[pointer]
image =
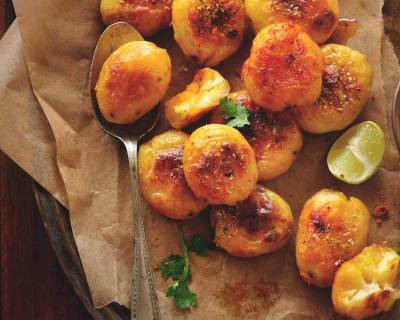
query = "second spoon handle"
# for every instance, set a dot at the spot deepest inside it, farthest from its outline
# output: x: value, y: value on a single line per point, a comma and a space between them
x: 144, y: 302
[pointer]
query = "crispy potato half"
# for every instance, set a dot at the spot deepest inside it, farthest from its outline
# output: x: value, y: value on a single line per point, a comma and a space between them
x: 148, y: 17
x: 132, y: 81
x: 276, y: 138
x: 318, y: 17
x: 260, y: 224
x: 284, y: 68
x: 162, y: 181
x: 332, y: 229
x: 220, y: 165
x: 344, y: 31
x: 346, y: 86
x: 208, y: 31
x: 363, y: 286
x: 200, y: 96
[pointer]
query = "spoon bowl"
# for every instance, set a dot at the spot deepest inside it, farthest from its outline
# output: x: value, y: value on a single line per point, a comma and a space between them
x: 144, y: 303
x: 110, y: 40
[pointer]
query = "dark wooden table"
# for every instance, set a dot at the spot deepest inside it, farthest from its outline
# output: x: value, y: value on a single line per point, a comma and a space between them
x: 33, y: 286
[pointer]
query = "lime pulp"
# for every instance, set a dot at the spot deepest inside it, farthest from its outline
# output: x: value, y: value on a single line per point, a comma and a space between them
x: 357, y: 154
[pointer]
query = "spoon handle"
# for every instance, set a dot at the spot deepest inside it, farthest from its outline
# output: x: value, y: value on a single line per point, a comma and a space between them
x: 396, y: 117
x: 144, y: 303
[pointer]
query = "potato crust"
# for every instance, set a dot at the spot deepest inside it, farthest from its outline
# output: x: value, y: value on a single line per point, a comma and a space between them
x: 161, y: 177
x: 276, y: 138
x: 258, y: 225
x: 132, y: 81
x: 363, y: 286
x: 344, y: 31
x: 219, y: 165
x: 208, y: 31
x: 200, y: 96
x: 284, y: 68
x: 332, y: 229
x: 318, y: 17
x: 147, y: 16
x: 347, y: 81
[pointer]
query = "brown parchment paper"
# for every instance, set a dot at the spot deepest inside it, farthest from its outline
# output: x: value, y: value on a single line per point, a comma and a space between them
x: 58, y: 39
x: 25, y: 134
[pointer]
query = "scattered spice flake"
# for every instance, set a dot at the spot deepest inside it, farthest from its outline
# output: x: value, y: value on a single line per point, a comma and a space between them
x: 380, y: 214
x: 248, y: 300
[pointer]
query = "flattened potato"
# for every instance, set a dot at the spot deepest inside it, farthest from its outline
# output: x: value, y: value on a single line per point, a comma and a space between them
x: 284, y: 68
x: 219, y: 165
x: 147, y: 16
x: 332, y: 229
x: 132, y: 81
x: 258, y: 225
x: 276, y: 138
x: 344, y: 31
x: 200, y: 96
x: 347, y: 81
x: 318, y: 17
x: 363, y: 286
x: 208, y: 31
x: 162, y: 181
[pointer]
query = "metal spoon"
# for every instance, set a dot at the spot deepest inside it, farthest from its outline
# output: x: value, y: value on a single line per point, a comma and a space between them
x: 396, y: 117
x: 144, y: 303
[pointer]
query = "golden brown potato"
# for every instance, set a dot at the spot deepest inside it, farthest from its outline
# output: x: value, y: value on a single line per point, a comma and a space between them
x: 347, y: 80
x: 344, y: 31
x: 363, y: 286
x: 162, y: 181
x: 284, y: 68
x: 132, y: 81
x: 219, y: 164
x: 148, y: 17
x: 317, y: 17
x: 332, y: 229
x: 208, y: 31
x: 200, y: 96
x: 276, y: 138
x: 258, y: 225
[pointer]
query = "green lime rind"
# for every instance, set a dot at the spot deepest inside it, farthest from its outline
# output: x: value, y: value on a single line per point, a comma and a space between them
x: 357, y: 154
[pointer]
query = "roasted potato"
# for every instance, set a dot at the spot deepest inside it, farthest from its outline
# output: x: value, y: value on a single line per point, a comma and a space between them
x: 344, y: 31
x: 347, y: 81
x: 132, y: 81
x: 148, y: 17
x: 363, y: 286
x: 276, y: 138
x: 220, y: 165
x: 284, y: 68
x: 161, y: 177
x: 200, y: 96
x: 332, y: 229
x: 318, y: 17
x: 208, y: 31
x: 260, y: 224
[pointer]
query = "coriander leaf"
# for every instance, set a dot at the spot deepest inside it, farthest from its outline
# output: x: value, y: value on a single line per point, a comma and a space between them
x: 179, y: 269
x: 198, y: 245
x: 236, y: 114
x: 181, y: 294
x: 172, y: 266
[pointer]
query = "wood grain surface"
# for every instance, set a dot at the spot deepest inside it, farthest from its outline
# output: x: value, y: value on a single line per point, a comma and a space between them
x: 33, y: 286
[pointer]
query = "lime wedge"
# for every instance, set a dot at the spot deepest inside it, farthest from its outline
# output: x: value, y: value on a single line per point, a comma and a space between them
x: 357, y: 154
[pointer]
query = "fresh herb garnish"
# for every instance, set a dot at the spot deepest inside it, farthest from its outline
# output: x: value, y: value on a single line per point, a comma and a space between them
x: 172, y: 266
x: 236, y: 114
x: 200, y: 246
x: 178, y: 268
